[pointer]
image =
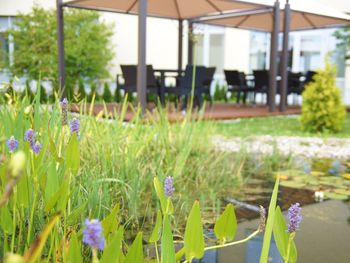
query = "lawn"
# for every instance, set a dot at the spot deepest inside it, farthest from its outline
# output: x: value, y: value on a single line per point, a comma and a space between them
x: 274, y: 126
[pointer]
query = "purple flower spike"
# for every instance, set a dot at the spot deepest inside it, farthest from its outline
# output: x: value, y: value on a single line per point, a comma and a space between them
x: 75, y: 126
x: 64, y: 111
x: 168, y: 186
x: 294, y: 217
x: 37, y: 147
x: 93, y: 234
x: 29, y: 136
x: 12, y: 144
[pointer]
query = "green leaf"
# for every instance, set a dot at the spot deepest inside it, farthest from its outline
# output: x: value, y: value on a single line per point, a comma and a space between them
x: 111, y: 222
x: 113, y: 251
x: 269, y: 225
x: 180, y: 254
x: 74, y: 254
x: 52, y: 146
x: 75, y: 216
x: 155, y: 236
x: 52, y: 183
x: 6, y: 219
x: 162, y: 198
x: 168, y: 250
x: 34, y: 252
x: 194, y: 241
x: 282, y: 237
x: 135, y: 252
x: 73, y: 154
x: 226, y: 225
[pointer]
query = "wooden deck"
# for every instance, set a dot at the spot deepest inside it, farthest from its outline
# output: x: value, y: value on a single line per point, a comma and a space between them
x: 218, y: 111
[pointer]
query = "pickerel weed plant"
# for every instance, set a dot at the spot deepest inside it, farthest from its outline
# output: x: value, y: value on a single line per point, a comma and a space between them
x: 44, y: 199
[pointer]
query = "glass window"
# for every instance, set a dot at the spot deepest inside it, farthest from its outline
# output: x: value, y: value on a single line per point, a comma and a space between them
x: 216, y: 52
x: 258, y: 50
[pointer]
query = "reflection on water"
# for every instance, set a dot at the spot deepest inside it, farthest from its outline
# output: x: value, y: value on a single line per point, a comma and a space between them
x: 324, y: 238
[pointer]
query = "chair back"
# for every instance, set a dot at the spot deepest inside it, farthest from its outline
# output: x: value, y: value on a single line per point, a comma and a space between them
x: 261, y: 79
x: 151, y: 79
x: 233, y: 78
x: 129, y: 75
x: 186, y: 82
x: 309, y: 76
x: 209, y: 76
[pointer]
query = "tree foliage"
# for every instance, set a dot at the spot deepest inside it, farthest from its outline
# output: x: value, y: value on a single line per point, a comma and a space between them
x: 323, y: 109
x: 343, y: 35
x: 88, y: 51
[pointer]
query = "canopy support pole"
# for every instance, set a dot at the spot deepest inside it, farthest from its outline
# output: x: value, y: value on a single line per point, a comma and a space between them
x: 273, y: 58
x: 285, y: 57
x: 179, y: 58
x: 190, y: 43
x: 141, y: 67
x: 60, y: 45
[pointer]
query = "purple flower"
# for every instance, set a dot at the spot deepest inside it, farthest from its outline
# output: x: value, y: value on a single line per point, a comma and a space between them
x: 93, y: 234
x: 64, y: 111
x: 75, y: 126
x: 294, y: 217
x: 12, y: 144
x: 168, y: 186
x: 29, y: 136
x: 37, y: 147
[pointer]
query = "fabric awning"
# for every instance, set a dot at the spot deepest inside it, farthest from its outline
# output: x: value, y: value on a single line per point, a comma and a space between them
x: 174, y: 9
x: 305, y: 15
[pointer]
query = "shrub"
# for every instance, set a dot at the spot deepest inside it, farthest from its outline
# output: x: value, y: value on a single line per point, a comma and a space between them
x: 107, y: 94
x: 323, y: 109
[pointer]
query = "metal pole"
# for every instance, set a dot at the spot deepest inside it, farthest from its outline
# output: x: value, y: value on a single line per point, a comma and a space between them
x: 273, y: 58
x: 284, y: 63
x: 141, y: 67
x: 190, y: 43
x: 60, y: 44
x: 179, y: 58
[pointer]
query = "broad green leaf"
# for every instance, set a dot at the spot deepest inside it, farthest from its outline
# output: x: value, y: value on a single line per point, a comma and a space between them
x: 226, y: 225
x: 282, y: 237
x: 73, y: 153
x: 52, y: 183
x: 50, y: 204
x: 162, y: 198
x: 52, y: 146
x: 23, y: 191
x: 34, y: 252
x: 74, y: 253
x: 194, y: 241
x: 113, y: 251
x: 180, y: 254
x: 6, y: 219
x: 76, y: 215
x: 168, y: 250
x: 135, y: 251
x: 111, y: 222
x: 155, y: 236
x: 269, y: 224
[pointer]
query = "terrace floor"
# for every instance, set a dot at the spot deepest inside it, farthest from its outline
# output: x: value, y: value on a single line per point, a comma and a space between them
x: 218, y: 111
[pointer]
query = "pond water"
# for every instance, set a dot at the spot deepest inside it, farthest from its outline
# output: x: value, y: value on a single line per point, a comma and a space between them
x: 324, y: 236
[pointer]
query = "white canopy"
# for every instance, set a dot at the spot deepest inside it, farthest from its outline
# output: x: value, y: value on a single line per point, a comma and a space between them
x: 306, y: 14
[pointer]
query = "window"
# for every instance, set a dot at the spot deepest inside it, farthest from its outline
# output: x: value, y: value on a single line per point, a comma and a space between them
x: 216, y: 54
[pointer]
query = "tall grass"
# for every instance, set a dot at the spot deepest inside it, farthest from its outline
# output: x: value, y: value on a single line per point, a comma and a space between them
x: 118, y: 163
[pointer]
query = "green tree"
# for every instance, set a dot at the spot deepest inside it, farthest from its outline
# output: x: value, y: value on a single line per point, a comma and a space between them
x: 343, y: 35
x: 323, y: 109
x: 88, y: 51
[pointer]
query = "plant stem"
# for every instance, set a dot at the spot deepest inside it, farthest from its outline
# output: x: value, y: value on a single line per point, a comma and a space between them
x: 156, y: 247
x: 234, y: 243
x: 291, y: 237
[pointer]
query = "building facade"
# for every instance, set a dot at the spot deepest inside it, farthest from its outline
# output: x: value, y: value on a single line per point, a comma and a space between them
x: 224, y: 48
